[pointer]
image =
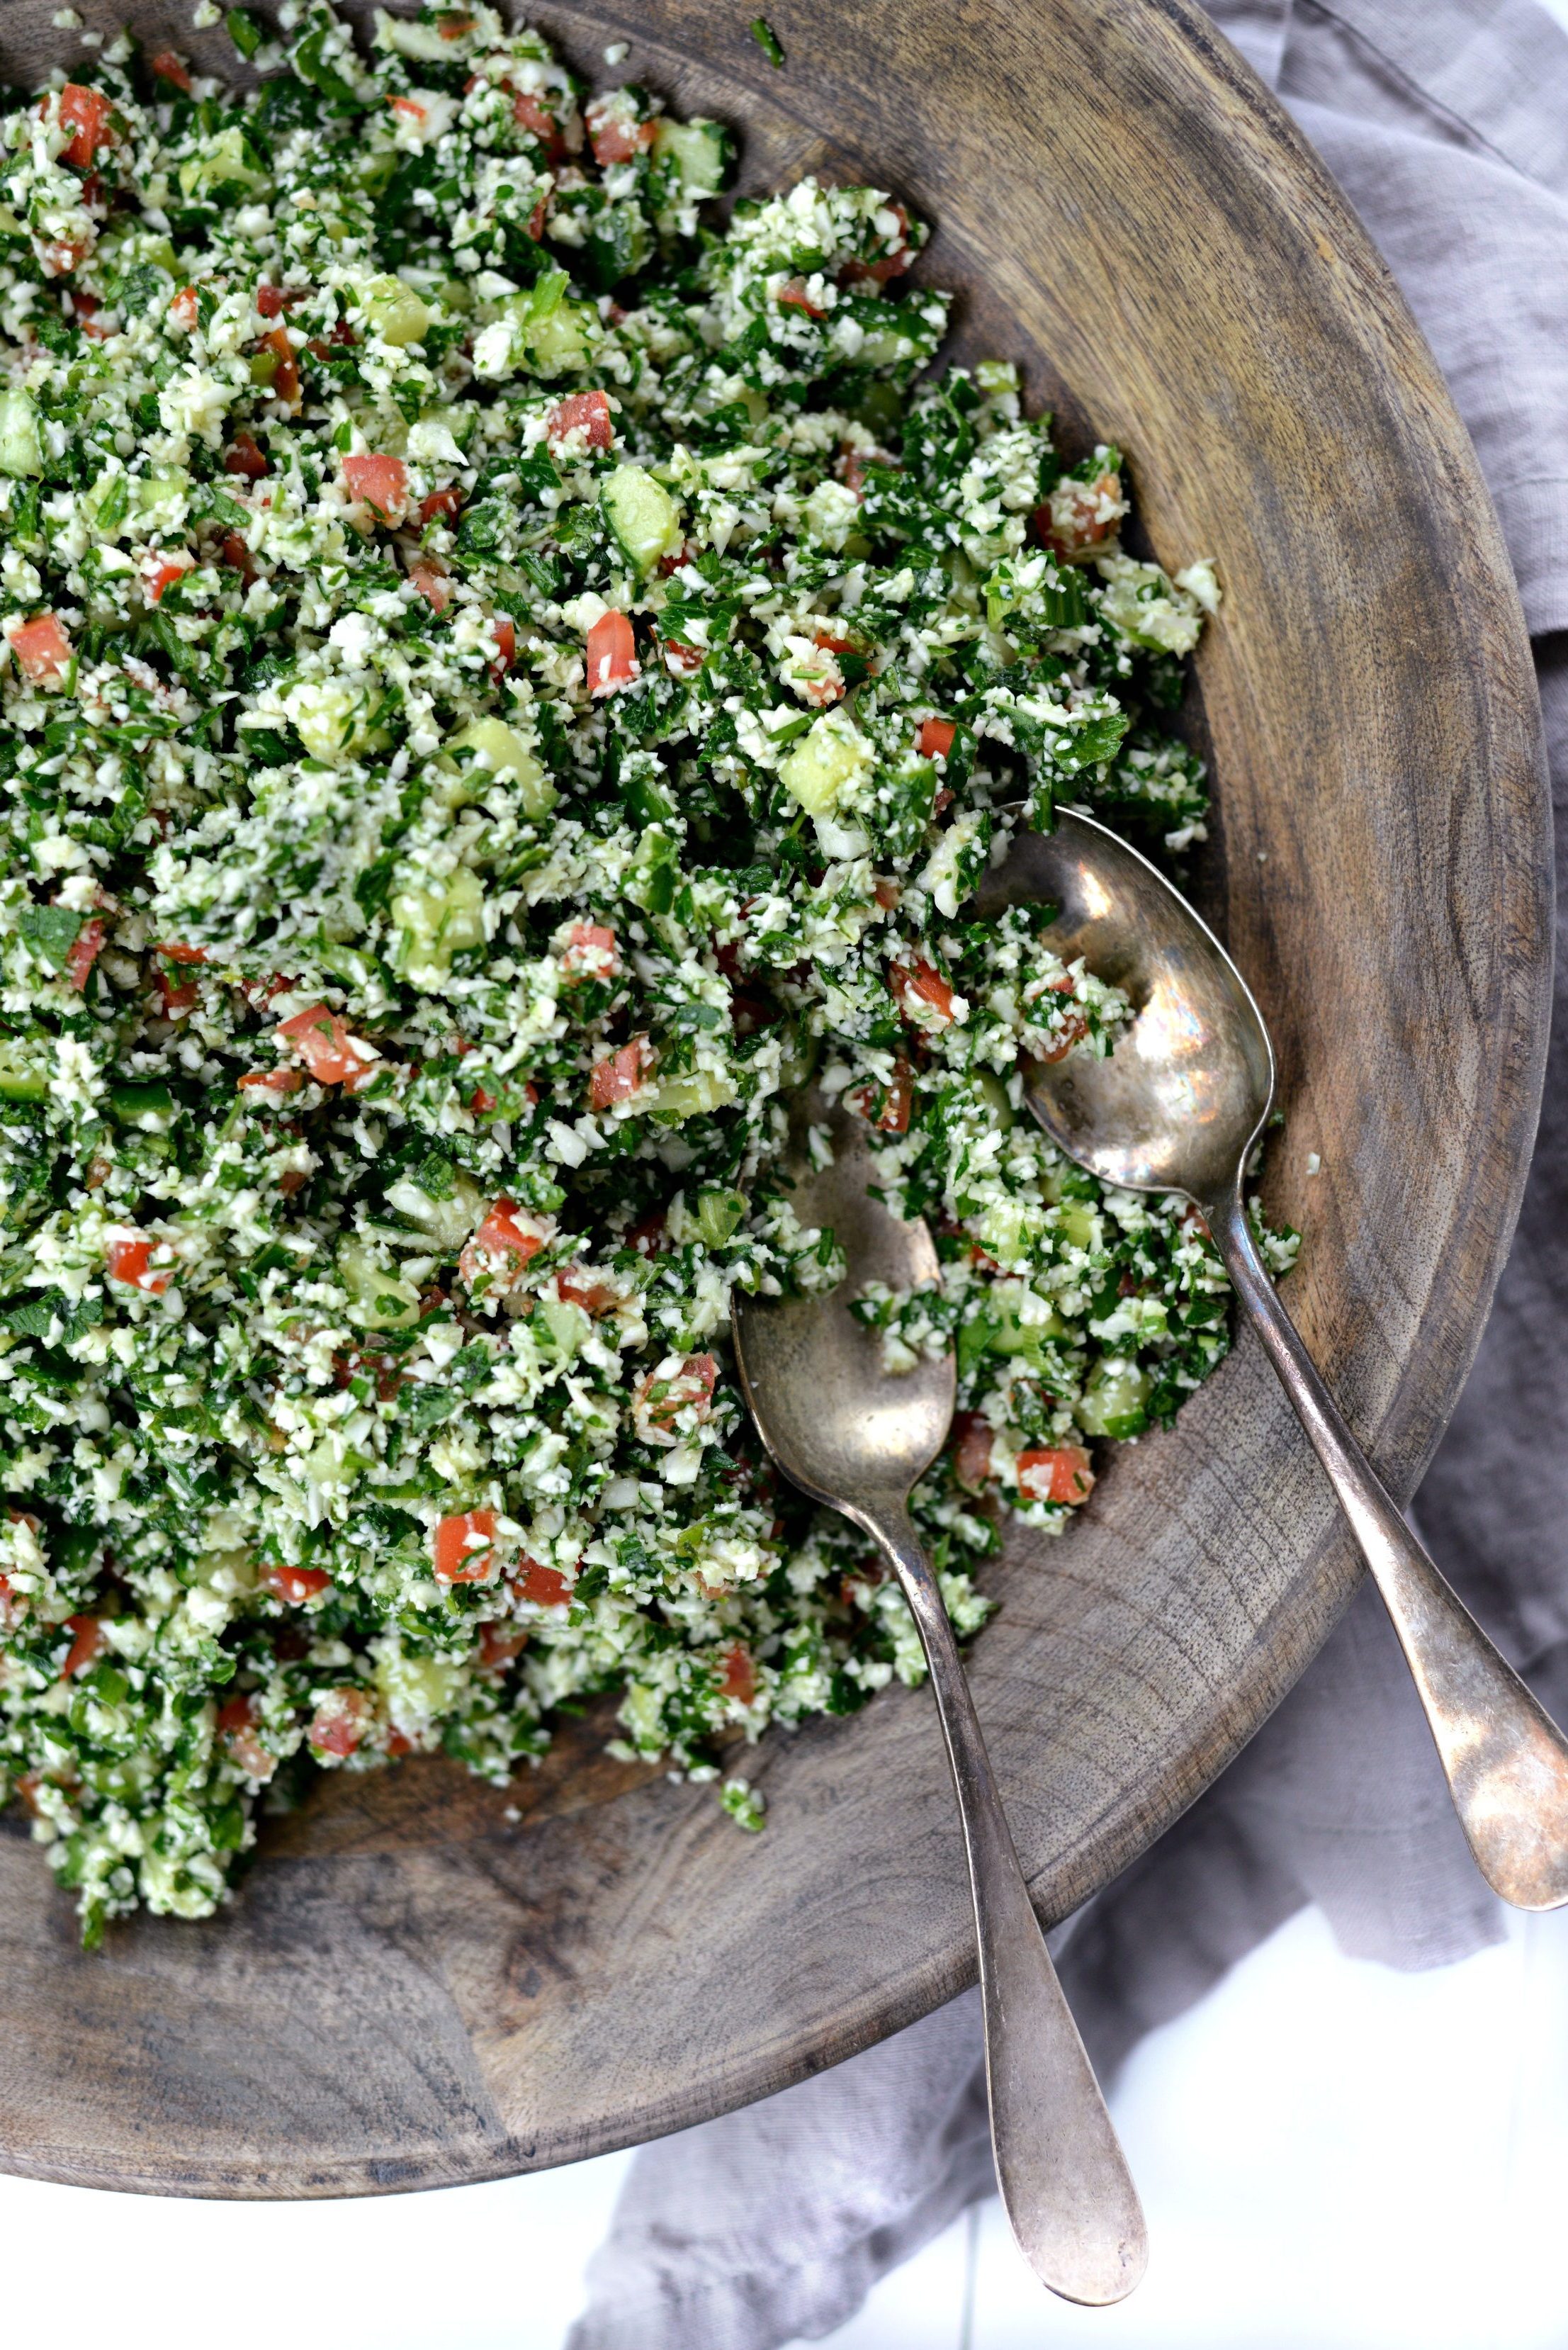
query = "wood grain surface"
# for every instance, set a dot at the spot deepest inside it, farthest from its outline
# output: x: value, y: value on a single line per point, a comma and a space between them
x: 413, y: 1989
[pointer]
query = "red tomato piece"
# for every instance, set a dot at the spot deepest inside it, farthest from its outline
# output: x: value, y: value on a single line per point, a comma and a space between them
x: 339, y: 1722
x: 464, y: 1547
x: 236, y: 554
x: 85, y: 113
x: 971, y: 1441
x: 234, y: 1726
x: 1072, y: 1031
x: 294, y: 1584
x: 86, y: 1643
x: 612, y: 653
x: 1058, y: 1472
x: 590, y: 951
x: 499, y: 1643
x: 647, y: 1237
x: 887, y: 264
x: 935, y: 739
x: 130, y: 1261
x: 793, y: 296
x: 681, y: 660
x: 1075, y: 519
x: 659, y: 1402
x: 43, y: 650
x: 740, y: 1676
x: 533, y: 115
x: 578, y: 1286
x: 544, y: 1587
x: 585, y: 411
x: 243, y: 457
x: 183, y: 309
x: 85, y: 948
x: 501, y: 1247
x: 505, y: 635
x: 324, y: 1044
x: 614, y: 136
x: 168, y: 68
x: 888, y: 1108
x: 432, y: 581
x: 619, y: 1076
x: 163, y: 575
x: 441, y: 504
x: 920, y: 982
x: 381, y: 482
x: 285, y: 385
x: 270, y: 1081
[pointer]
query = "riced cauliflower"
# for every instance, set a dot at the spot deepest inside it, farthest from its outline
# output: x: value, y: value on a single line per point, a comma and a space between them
x: 504, y: 677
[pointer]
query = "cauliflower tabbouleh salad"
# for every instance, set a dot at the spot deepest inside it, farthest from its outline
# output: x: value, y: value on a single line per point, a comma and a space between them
x: 502, y: 682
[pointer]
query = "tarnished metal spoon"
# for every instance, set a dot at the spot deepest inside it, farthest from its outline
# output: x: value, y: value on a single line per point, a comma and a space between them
x: 1178, y: 1106
x: 853, y: 1437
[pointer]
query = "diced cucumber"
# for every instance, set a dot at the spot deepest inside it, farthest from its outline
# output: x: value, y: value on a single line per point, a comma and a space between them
x: 21, y: 449
x: 719, y: 1214
x: 397, y: 313
x: 821, y: 767
x: 447, y: 1221
x: 223, y: 163
x: 642, y: 514
x: 437, y: 920
x: 703, y: 1091
x: 1113, y: 1401
x: 149, y: 1107
x: 18, y: 1082
x: 377, y: 1297
x: 699, y: 152
x: 500, y: 750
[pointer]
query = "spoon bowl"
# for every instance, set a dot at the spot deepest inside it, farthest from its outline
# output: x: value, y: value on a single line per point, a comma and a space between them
x: 1181, y: 1101
x: 1179, y: 1105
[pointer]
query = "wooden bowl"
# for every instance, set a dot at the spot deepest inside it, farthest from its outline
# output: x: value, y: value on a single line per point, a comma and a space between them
x: 410, y: 1988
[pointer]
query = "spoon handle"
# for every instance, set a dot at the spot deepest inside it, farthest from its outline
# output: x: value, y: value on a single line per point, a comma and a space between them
x: 1505, y: 1760
x: 1066, y: 2186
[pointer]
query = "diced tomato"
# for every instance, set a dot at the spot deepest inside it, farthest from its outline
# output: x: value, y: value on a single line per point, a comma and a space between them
x: 740, y: 1677
x: 578, y: 1286
x: 613, y: 137
x: 432, y: 581
x: 889, y: 264
x: 590, y: 952
x: 1194, y: 1223
x: 451, y: 27
x: 1057, y: 1473
x: 647, y: 1237
x: 1078, y: 516
x: 235, y: 555
x: 243, y: 458
x: 482, y: 1103
x: 681, y: 660
x: 935, y: 739
x: 168, y: 68
x: 409, y: 107
x: 499, y: 1643
x: 464, y: 1547
x: 1075, y: 1027
x: 502, y: 1246
x: 442, y: 505
x: 270, y: 1081
x: 85, y: 113
x: 888, y: 1108
x: 86, y: 1643
x: 612, y: 653
x: 85, y: 950
x: 534, y: 225
x: 585, y: 411
x: 324, y: 1044
x: 381, y: 482
x: 533, y: 115
x: 340, y: 1721
x: 542, y: 1586
x: 887, y: 895
x: 920, y: 984
x: 285, y: 385
x: 130, y: 1261
x: 43, y: 650
x: 659, y: 1402
x: 85, y: 309
x: 972, y: 1442
x: 793, y: 296
x: 273, y: 301
x: 506, y: 636
x: 619, y: 1076
x: 235, y: 1727
x: 184, y: 311
x: 161, y: 574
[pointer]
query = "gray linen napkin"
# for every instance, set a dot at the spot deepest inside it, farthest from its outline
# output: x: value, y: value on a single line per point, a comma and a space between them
x: 1446, y: 122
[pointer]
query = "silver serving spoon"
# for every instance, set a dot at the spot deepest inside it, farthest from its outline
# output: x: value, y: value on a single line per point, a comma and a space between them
x: 857, y: 1439
x: 1178, y: 1106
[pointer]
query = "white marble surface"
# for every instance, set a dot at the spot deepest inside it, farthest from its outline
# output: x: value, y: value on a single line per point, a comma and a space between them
x: 1334, y: 2157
